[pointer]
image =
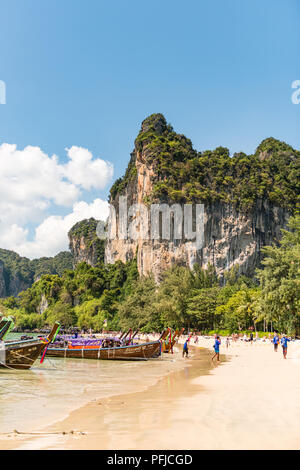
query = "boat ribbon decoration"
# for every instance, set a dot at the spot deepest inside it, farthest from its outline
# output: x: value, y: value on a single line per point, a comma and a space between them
x: 170, y: 339
x: 47, y: 341
x: 10, y: 327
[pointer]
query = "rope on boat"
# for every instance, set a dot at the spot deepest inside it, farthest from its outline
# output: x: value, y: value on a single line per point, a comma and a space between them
x: 25, y: 357
x: 18, y: 364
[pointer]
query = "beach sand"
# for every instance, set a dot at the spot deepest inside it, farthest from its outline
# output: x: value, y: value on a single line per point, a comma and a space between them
x: 249, y: 401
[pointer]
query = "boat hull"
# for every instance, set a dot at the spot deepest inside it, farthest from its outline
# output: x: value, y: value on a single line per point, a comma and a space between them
x: 20, y: 357
x: 23, y: 354
x: 138, y: 351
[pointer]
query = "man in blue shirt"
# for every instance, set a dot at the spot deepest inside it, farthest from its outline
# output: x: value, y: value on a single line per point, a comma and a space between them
x: 217, y: 349
x: 284, y: 341
x: 185, y: 350
x: 275, y: 341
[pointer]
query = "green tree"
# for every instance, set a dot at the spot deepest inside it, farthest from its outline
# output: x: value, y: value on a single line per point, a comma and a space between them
x: 173, y: 295
x: 239, y: 311
x: 202, y: 308
x: 139, y: 309
x: 62, y: 313
x: 280, y: 280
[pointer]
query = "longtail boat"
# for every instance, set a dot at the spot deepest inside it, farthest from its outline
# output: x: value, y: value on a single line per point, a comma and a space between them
x: 170, y: 340
x: 103, y: 351
x: 22, y: 354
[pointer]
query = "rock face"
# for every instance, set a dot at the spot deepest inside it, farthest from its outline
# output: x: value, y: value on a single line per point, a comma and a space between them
x: 16, y: 285
x: 231, y: 235
x: 229, y: 238
x: 84, y: 244
x: 11, y: 283
x: 43, y: 305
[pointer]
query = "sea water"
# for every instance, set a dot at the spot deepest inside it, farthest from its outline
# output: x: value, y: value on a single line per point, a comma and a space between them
x: 48, y: 392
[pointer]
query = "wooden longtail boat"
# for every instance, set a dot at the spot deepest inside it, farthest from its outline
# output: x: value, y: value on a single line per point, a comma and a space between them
x: 22, y: 354
x: 170, y: 341
x: 136, y: 351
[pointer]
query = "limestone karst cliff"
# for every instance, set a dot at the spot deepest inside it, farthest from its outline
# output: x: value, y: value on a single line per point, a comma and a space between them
x: 247, y: 199
x: 84, y: 243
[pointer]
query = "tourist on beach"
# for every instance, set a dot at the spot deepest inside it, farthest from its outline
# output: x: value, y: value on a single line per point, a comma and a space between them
x: 227, y: 342
x: 185, y: 350
x: 251, y: 338
x: 284, y: 341
x: 275, y: 341
x: 217, y: 349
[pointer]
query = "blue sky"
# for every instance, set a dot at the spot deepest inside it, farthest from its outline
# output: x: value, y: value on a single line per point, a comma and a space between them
x: 85, y: 74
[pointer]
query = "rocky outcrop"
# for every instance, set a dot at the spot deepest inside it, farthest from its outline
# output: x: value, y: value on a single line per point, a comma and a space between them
x: 84, y: 243
x: 231, y: 235
x: 16, y: 284
x: 43, y: 305
x: 230, y: 238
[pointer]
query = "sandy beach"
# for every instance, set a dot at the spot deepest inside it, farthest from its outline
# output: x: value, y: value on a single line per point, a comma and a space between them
x: 249, y: 401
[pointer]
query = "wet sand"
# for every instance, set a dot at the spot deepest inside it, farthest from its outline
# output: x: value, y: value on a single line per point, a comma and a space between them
x: 107, y: 423
x: 250, y: 401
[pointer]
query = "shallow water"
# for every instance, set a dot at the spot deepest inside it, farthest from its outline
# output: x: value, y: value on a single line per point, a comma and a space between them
x: 47, y: 393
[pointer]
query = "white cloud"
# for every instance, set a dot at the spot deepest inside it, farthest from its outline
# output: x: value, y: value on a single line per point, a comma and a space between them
x: 12, y: 236
x: 51, y: 235
x: 33, y: 184
x: 31, y: 176
x: 84, y: 171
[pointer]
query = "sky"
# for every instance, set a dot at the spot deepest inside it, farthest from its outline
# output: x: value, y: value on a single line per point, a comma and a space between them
x: 80, y: 76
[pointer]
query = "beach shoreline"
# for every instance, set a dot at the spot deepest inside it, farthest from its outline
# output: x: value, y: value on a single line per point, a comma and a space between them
x: 55, y: 433
x: 240, y: 404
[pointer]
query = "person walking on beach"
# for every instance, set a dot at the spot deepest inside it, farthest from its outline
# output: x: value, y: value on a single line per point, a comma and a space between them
x: 251, y: 338
x: 217, y: 349
x: 284, y: 341
x: 275, y: 341
x: 185, y: 350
